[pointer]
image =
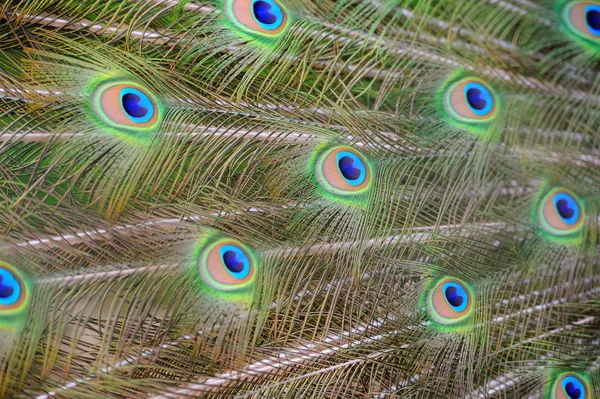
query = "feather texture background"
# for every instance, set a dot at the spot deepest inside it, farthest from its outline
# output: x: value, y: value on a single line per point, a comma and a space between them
x: 300, y: 199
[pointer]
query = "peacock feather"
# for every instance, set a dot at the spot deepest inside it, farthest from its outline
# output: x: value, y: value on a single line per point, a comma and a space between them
x: 300, y: 199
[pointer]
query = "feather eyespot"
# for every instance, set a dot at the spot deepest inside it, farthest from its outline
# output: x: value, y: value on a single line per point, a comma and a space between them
x: 450, y: 301
x: 14, y: 292
x: 263, y: 17
x: 470, y: 100
x: 560, y: 212
x: 226, y: 265
x: 126, y: 106
x: 583, y: 19
x: 343, y: 170
x: 570, y: 386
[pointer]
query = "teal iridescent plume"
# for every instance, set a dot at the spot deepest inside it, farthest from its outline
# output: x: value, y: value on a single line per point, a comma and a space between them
x: 333, y: 199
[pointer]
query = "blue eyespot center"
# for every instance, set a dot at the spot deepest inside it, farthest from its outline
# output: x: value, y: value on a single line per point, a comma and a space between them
x: 475, y: 99
x: 10, y: 289
x: 563, y: 209
x: 567, y: 208
x: 232, y: 262
x: 592, y: 18
x: 136, y: 105
x: 478, y: 98
x: 347, y: 168
x: 351, y: 167
x: 131, y: 104
x: 456, y: 296
x: 262, y: 12
x: 453, y: 297
x: 235, y: 261
x: 572, y: 391
x: 267, y: 13
x: 573, y: 388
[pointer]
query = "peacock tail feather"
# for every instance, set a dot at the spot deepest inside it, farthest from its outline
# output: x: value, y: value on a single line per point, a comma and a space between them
x: 300, y: 199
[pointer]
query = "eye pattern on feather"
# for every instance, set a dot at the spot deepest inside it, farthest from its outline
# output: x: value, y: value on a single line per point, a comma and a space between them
x: 570, y: 386
x: 560, y: 212
x: 343, y: 171
x: 449, y: 301
x: 262, y: 17
x: 14, y: 292
x: 470, y: 100
x: 226, y: 265
x: 126, y: 106
x: 583, y: 19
